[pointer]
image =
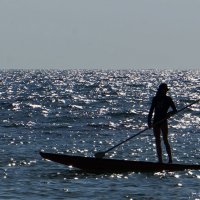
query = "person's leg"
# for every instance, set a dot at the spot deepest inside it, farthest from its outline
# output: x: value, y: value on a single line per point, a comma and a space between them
x: 164, y: 129
x: 157, y: 133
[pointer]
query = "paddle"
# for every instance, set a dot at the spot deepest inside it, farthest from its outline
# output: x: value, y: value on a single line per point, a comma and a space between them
x: 102, y: 154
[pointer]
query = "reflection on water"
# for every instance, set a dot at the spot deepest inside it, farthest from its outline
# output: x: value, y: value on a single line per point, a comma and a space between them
x: 82, y: 112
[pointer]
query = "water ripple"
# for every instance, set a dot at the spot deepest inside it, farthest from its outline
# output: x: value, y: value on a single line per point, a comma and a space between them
x: 80, y: 112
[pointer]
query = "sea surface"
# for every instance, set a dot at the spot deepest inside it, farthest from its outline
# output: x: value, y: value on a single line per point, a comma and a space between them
x: 81, y: 112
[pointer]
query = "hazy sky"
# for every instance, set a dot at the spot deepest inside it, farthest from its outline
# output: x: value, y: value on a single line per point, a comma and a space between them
x: 100, y: 34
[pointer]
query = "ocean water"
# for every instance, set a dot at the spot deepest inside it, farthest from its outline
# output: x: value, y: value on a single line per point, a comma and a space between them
x: 80, y: 112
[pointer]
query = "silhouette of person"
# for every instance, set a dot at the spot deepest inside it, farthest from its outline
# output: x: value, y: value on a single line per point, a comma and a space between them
x: 160, y: 105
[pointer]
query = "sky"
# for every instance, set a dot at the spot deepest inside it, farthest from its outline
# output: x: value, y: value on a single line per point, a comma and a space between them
x: 99, y: 34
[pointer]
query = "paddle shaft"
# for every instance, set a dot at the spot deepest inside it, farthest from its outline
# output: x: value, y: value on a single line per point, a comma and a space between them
x: 146, y: 129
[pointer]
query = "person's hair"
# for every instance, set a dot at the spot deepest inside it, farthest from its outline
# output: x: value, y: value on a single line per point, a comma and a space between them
x: 162, y: 89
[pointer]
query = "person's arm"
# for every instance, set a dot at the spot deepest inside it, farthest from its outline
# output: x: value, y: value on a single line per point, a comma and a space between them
x: 150, y: 114
x: 173, y: 107
x: 174, y: 110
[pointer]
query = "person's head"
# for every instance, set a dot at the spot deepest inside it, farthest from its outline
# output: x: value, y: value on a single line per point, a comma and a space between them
x: 163, y: 88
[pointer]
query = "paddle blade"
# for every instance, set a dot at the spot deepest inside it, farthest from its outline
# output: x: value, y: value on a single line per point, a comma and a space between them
x: 99, y: 155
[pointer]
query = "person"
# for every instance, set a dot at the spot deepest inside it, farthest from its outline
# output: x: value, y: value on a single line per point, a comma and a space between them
x: 160, y: 106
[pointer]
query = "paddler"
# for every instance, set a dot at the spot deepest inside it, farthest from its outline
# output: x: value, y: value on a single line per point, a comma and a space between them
x: 160, y: 106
